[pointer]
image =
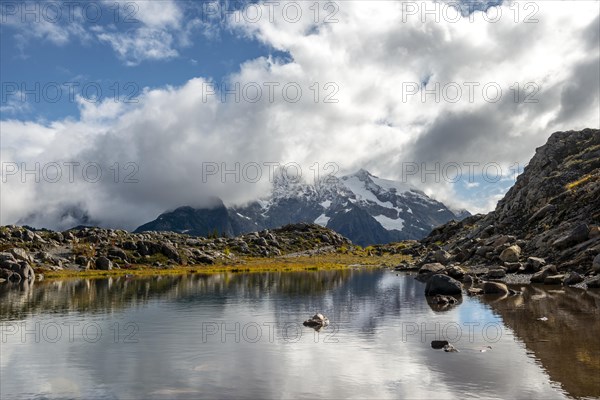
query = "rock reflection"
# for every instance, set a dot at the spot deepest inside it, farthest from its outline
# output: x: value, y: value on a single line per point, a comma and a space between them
x: 560, y: 327
x: 114, y: 293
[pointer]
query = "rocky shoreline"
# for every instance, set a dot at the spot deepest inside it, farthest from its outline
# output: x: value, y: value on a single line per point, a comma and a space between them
x: 545, y: 230
x: 25, y: 252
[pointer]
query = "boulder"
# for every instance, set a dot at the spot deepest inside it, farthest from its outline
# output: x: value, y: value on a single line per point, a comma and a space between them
x: 317, y: 321
x: 104, y: 264
x: 579, y: 234
x: 455, y: 272
x: 442, y: 256
x: 439, y: 344
x: 25, y: 271
x: 572, y: 278
x: 431, y: 268
x: 10, y: 275
x: 497, y: 273
x: 554, y: 279
x: 170, y: 252
x: 512, y: 268
x: 541, y: 276
x: 511, y: 254
x: 536, y: 263
x: 442, y: 284
x: 6, y: 260
x: 115, y: 252
x: 21, y: 254
x: 594, y: 283
x: 495, y: 288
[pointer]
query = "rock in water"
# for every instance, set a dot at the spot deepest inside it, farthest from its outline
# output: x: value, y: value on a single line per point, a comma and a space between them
x: 572, y: 278
x: 317, y: 321
x: 450, y: 349
x: 554, y: 280
x: 442, y: 284
x: 439, y: 344
x: 495, y: 288
x: 540, y: 276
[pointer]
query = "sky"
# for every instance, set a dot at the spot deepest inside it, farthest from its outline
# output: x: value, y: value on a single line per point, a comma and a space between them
x: 121, y: 110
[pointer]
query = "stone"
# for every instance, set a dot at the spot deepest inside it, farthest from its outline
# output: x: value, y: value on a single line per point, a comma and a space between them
x: 495, y: 288
x: 9, y: 275
x: 450, y: 349
x: 594, y: 283
x: 579, y: 234
x: 497, y: 273
x: 442, y: 284
x: 439, y: 344
x: 511, y: 254
x: 474, y: 291
x: 431, y: 268
x: 512, y: 268
x: 442, y: 256
x: 596, y: 263
x: 170, y: 252
x: 541, y: 275
x: 554, y: 279
x: 104, y: 264
x: 572, y: 278
x: 25, y: 271
x: 21, y: 254
x: 115, y: 252
x: 317, y: 321
x: 536, y: 263
x: 455, y: 272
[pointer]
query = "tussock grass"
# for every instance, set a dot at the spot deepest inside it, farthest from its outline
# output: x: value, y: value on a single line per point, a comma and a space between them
x: 331, y: 261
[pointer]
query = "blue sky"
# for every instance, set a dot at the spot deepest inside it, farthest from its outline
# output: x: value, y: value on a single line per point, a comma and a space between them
x: 361, y: 54
x: 87, y: 66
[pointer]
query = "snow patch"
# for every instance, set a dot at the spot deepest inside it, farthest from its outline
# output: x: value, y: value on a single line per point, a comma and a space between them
x: 389, y: 223
x: 322, y: 220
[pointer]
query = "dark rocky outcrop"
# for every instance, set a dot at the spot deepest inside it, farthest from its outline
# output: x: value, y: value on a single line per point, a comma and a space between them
x: 550, y: 216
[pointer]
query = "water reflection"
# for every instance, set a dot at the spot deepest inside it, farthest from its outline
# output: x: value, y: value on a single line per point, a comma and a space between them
x: 241, y: 335
x: 567, y: 343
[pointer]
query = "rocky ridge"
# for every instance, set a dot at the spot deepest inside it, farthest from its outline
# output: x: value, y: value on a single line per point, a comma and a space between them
x: 24, y: 251
x: 546, y: 228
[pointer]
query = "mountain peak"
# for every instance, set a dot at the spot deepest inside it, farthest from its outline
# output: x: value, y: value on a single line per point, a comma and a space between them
x: 363, y: 175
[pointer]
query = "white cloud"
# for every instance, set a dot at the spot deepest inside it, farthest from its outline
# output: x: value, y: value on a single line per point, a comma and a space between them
x: 369, y: 54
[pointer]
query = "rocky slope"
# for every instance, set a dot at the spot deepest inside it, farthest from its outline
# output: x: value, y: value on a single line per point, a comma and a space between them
x: 23, y: 250
x: 547, y: 224
x: 362, y: 207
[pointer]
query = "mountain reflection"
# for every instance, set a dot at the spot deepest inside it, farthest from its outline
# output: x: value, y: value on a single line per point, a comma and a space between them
x: 567, y: 343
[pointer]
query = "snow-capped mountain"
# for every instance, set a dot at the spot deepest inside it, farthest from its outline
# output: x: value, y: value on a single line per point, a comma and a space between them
x: 360, y: 206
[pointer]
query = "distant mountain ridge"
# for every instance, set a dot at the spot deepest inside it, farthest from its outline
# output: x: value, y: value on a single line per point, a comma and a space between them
x: 364, y: 208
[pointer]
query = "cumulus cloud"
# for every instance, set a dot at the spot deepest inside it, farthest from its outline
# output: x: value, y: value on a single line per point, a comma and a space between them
x: 370, y: 65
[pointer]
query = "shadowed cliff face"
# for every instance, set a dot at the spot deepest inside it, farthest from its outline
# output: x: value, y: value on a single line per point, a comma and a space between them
x: 567, y: 344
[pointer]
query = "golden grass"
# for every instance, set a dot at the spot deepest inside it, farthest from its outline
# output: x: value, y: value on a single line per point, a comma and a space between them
x: 581, y: 181
x: 252, y: 264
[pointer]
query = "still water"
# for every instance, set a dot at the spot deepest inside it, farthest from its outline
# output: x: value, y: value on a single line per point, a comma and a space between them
x: 235, y: 335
